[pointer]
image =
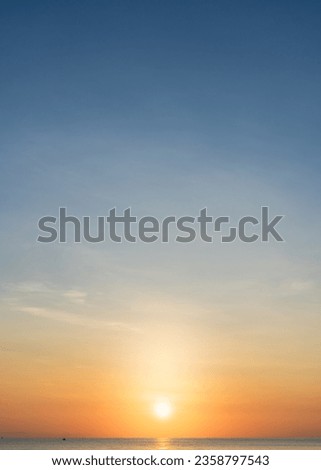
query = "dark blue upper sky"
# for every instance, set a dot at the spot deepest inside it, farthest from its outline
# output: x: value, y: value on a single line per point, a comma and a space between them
x: 162, y: 65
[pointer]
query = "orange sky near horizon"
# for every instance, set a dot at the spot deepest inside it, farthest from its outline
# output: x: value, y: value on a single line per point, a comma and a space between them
x: 100, y: 383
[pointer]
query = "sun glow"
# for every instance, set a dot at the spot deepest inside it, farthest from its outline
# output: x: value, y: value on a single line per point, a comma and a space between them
x: 163, y: 409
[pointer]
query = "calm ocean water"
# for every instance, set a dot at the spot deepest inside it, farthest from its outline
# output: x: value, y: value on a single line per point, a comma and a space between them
x: 158, y: 444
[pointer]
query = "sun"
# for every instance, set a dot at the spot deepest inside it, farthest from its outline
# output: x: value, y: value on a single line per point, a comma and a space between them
x: 163, y: 409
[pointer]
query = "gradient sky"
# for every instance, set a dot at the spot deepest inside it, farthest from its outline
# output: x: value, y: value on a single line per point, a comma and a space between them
x: 167, y: 107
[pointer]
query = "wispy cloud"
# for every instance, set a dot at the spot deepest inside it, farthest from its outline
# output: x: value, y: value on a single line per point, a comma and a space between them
x: 76, y: 319
x: 301, y: 286
x: 75, y: 296
x: 28, y: 287
x: 39, y: 290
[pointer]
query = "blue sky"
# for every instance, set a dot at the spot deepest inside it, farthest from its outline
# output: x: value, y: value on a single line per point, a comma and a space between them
x: 160, y: 107
x: 217, y: 85
x: 167, y: 107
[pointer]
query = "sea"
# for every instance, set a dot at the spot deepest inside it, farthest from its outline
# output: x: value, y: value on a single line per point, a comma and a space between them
x: 159, y: 444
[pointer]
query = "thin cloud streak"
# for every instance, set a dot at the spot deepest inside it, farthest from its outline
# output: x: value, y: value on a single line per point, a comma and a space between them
x: 74, y: 319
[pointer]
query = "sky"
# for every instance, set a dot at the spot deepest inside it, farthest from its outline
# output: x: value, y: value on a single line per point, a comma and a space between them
x: 166, y: 107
